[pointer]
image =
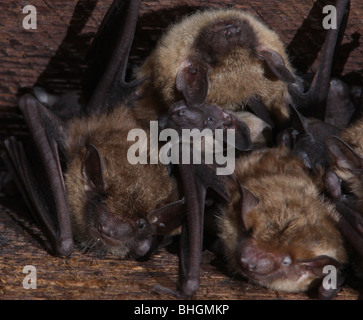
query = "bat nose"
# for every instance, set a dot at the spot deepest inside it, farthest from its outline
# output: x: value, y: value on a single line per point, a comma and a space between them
x: 114, y: 228
x: 258, y: 265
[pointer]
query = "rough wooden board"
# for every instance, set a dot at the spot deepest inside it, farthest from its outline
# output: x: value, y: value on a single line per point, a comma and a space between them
x: 87, y: 276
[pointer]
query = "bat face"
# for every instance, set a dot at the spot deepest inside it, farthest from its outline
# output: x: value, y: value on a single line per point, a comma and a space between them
x: 215, y: 52
x: 222, y: 36
x: 279, y: 232
x: 110, y: 198
x: 180, y: 116
x: 205, y: 116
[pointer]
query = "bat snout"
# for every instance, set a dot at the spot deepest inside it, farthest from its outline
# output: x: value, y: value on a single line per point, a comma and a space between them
x: 258, y: 265
x: 113, y: 228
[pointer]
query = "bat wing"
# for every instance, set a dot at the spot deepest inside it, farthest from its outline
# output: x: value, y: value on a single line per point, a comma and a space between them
x: 260, y: 110
x: 313, y: 101
x: 350, y: 222
x: 37, y: 172
x: 351, y: 217
x: 109, y: 56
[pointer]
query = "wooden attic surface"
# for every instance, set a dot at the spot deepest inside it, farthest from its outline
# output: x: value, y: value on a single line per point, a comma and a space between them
x: 52, y: 57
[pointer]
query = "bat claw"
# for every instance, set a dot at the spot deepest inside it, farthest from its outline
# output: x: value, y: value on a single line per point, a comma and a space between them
x: 175, y: 293
x: 65, y: 246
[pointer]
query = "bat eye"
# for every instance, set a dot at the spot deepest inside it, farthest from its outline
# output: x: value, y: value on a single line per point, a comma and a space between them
x: 210, y: 119
x: 141, y: 223
x: 193, y: 70
x: 286, y: 261
x: 227, y: 33
x: 181, y: 113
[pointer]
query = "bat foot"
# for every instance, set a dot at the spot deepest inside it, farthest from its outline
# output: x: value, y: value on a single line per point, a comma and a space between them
x: 65, y: 247
x: 189, y: 287
x: 163, y: 290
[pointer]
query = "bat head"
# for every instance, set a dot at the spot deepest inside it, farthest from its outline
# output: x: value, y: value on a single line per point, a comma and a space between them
x: 306, y: 139
x: 205, y: 116
x: 279, y: 249
x: 222, y: 36
x: 108, y: 223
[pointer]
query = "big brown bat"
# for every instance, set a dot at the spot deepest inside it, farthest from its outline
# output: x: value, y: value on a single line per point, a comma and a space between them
x: 278, y: 230
x: 222, y: 56
x: 107, y: 197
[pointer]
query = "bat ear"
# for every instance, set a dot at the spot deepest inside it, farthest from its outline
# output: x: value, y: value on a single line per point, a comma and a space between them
x: 317, y: 264
x: 343, y: 154
x: 168, y: 218
x: 298, y: 121
x: 247, y: 203
x: 276, y: 63
x: 92, y: 170
x: 332, y: 184
x: 192, y: 81
x: 242, y: 134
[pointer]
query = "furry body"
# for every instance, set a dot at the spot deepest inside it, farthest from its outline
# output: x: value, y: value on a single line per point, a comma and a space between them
x: 234, y: 78
x: 291, y: 222
x: 130, y: 193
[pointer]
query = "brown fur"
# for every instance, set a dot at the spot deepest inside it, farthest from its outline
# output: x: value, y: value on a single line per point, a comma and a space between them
x: 291, y: 217
x: 260, y: 131
x: 131, y: 191
x: 236, y: 78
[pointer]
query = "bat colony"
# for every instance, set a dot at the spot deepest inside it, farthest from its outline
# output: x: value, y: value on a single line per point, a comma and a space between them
x: 294, y: 203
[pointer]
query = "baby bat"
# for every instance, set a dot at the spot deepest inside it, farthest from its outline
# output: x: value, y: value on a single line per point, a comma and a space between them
x: 107, y: 199
x: 221, y: 56
x: 278, y: 231
x: 196, y: 179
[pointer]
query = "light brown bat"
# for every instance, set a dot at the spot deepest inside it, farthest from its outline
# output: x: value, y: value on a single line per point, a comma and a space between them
x: 111, y: 210
x: 278, y: 231
x: 221, y: 56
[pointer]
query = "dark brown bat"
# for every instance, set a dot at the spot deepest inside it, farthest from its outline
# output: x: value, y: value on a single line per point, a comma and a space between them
x: 221, y: 56
x: 314, y: 101
x: 327, y: 105
x: 278, y: 230
x: 347, y: 169
x: 196, y: 179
